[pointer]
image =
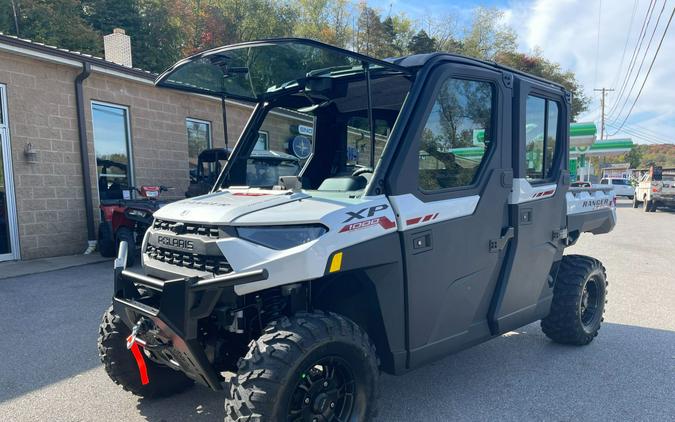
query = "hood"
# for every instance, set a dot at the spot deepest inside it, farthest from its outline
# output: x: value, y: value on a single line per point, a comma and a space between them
x: 225, y: 207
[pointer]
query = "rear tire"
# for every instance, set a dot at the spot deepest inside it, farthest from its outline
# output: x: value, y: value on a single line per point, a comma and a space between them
x: 647, y: 205
x: 127, y: 235
x: 579, y: 298
x: 121, y: 366
x: 106, y: 243
x: 313, y: 366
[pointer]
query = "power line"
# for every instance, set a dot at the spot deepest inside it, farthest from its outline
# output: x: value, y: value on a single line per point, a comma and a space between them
x: 597, y: 43
x: 644, y: 136
x: 651, y: 65
x: 625, y: 47
x: 634, y: 55
x: 646, y: 130
x: 642, y: 62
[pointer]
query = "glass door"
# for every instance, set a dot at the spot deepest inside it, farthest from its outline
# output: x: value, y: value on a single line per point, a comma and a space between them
x: 8, y: 227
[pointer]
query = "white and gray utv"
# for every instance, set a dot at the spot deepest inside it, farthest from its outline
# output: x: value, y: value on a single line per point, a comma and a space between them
x: 430, y: 214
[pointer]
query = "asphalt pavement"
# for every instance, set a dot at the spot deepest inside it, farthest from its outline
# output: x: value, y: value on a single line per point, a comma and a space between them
x: 49, y: 367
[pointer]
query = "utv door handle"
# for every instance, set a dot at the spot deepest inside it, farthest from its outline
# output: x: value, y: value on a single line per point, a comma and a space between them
x: 497, y: 245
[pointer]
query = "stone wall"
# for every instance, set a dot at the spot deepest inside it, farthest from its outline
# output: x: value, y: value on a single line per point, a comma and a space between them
x: 42, y: 112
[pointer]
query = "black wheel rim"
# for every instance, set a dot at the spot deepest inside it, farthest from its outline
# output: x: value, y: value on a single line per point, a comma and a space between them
x: 325, y: 392
x: 590, y: 302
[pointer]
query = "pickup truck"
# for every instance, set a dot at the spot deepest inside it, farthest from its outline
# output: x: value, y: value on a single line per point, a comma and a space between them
x: 655, y: 190
x: 441, y: 228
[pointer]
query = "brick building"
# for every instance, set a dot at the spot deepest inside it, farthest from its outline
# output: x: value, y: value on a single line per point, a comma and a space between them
x: 56, y: 104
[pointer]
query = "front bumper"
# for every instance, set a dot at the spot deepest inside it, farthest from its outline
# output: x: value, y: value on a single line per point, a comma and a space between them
x: 182, y: 303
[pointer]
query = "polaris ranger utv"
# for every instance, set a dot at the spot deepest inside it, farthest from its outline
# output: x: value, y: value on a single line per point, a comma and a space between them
x: 442, y: 228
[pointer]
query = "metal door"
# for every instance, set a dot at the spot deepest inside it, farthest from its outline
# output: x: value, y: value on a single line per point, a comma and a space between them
x: 9, y: 241
x: 453, y: 237
x: 537, y: 207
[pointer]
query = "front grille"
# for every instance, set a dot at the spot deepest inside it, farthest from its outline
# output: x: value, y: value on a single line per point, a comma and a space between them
x: 206, y: 230
x: 210, y: 263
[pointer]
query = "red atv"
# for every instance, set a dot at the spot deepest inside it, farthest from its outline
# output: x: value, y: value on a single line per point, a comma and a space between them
x: 128, y: 219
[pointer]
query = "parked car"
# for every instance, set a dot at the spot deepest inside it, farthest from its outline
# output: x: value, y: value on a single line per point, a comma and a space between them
x: 655, y: 190
x: 409, y: 249
x: 622, y: 187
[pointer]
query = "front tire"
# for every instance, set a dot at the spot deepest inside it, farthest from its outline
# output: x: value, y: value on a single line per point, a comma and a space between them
x: 313, y: 366
x: 579, y: 298
x: 106, y: 243
x: 122, y: 368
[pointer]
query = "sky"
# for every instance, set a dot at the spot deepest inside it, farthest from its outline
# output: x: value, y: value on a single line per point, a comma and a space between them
x: 590, y: 37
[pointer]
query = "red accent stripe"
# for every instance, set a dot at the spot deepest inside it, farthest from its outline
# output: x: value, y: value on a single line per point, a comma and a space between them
x: 427, y: 217
x: 412, y: 221
x: 142, y: 369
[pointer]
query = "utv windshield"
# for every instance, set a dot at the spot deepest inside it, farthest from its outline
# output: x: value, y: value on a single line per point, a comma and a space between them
x: 326, y: 127
x: 257, y: 70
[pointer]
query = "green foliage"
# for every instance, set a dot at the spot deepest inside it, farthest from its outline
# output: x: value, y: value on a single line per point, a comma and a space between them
x: 486, y: 38
x: 162, y: 31
x: 634, y: 157
x: 56, y: 22
x: 421, y: 43
x: 661, y: 155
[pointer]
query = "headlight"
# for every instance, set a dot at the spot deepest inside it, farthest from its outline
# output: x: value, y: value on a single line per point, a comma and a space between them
x: 281, y: 237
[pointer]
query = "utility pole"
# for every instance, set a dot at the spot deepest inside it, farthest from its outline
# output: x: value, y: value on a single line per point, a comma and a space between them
x: 602, y: 106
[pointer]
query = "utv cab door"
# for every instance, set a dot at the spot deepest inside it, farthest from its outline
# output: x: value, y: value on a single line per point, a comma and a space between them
x: 451, y: 185
x: 537, y: 206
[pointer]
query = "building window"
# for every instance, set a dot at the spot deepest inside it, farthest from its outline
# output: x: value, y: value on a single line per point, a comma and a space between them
x: 263, y: 142
x: 541, y: 133
x: 199, y: 139
x: 112, y: 146
x: 457, y: 135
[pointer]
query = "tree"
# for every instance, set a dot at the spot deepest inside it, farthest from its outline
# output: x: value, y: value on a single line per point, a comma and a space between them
x: 54, y: 22
x: 634, y: 157
x: 536, y: 64
x: 323, y: 20
x: 485, y: 37
x: 421, y: 43
x: 370, y: 32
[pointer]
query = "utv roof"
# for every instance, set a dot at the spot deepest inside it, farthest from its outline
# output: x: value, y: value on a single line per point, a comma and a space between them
x: 258, y: 70
x: 416, y: 61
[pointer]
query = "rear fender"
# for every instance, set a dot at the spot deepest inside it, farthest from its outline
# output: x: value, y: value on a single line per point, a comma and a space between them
x: 119, y: 219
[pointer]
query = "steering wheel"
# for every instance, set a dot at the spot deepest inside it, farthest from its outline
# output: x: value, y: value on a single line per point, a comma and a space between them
x: 361, y: 170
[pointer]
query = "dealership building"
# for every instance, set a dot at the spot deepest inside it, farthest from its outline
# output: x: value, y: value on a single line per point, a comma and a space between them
x: 65, y: 115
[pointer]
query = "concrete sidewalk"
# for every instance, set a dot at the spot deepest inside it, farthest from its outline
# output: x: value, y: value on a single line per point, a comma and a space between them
x: 12, y: 269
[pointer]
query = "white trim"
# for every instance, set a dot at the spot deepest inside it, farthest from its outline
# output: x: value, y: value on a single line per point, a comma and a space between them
x: 130, y: 152
x: 39, y: 55
x: 111, y: 72
x: 6, y: 147
x: 411, y: 213
x: 522, y: 191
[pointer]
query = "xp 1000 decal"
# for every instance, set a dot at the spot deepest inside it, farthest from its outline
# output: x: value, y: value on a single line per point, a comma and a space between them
x: 364, y: 218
